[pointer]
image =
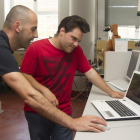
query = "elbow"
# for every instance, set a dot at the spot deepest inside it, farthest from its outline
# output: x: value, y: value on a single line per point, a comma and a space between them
x: 35, y: 100
x: 30, y: 98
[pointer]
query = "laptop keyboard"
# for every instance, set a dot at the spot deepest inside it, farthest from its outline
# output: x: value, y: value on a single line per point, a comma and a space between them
x: 120, y: 108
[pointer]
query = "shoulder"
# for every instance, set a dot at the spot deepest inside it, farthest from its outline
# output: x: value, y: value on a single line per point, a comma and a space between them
x: 78, y: 50
x: 3, y: 43
x: 4, y: 48
x: 41, y: 41
x: 38, y: 44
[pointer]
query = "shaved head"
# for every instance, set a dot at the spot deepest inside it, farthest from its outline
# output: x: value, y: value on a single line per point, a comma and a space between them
x: 17, y: 13
x: 20, y: 26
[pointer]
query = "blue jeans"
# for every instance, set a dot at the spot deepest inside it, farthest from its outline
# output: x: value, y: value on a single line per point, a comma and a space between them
x: 42, y: 129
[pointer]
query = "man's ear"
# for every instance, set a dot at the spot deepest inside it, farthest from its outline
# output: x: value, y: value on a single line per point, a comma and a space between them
x: 17, y: 26
x: 62, y: 30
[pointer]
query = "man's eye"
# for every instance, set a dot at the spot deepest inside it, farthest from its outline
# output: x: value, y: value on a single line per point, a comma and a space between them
x: 74, y: 38
x: 33, y: 29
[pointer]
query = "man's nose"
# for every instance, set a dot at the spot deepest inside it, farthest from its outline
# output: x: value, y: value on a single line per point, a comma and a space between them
x: 36, y: 34
x: 76, y: 43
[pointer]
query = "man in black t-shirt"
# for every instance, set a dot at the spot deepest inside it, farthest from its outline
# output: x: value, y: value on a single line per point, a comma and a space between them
x: 20, y: 28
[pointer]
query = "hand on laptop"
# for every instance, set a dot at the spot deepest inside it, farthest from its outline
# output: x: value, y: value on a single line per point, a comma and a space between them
x: 116, y: 94
x: 90, y: 123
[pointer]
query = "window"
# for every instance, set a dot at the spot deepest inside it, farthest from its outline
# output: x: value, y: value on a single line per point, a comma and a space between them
x: 27, y: 3
x: 47, y: 13
x: 127, y: 32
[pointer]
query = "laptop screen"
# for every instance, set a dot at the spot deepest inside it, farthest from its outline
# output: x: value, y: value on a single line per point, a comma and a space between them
x: 132, y: 64
x: 133, y: 92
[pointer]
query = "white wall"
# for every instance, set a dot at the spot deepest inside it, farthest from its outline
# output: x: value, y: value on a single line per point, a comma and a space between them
x: 1, y: 13
x: 101, y: 21
x: 86, y: 9
x: 4, y: 10
x: 7, y: 7
x: 63, y: 9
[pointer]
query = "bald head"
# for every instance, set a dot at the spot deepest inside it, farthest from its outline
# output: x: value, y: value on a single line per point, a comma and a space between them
x: 21, y: 27
x: 17, y: 13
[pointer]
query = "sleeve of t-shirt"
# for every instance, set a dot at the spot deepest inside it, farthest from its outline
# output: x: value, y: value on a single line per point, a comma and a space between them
x: 8, y: 62
x: 83, y: 64
x: 29, y: 62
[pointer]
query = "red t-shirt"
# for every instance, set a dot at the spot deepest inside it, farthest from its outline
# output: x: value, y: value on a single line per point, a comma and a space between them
x: 54, y: 69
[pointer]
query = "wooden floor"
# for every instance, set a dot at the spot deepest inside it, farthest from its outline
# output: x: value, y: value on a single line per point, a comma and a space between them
x: 13, y: 125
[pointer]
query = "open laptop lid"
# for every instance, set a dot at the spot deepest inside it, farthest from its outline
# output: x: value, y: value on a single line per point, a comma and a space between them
x: 133, y: 92
x: 134, y: 63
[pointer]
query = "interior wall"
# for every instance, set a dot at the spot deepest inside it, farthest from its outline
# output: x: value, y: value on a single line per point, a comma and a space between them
x: 63, y: 9
x: 101, y: 21
x: 4, y: 10
x: 86, y: 9
x: 1, y: 13
x: 7, y: 7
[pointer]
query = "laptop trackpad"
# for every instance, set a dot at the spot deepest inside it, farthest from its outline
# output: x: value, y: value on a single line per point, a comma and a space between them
x: 105, y: 109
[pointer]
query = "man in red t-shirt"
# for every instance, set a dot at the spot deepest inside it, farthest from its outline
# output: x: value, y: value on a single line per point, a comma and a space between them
x: 50, y: 66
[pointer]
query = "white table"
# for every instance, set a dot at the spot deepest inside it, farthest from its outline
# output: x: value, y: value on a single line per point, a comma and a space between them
x: 119, y: 130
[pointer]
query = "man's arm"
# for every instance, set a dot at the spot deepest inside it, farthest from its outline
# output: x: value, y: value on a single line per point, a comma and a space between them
x: 40, y: 104
x: 95, y: 79
x: 42, y: 89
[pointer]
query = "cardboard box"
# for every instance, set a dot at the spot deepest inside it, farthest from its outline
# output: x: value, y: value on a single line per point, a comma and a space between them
x: 131, y: 45
x: 19, y: 57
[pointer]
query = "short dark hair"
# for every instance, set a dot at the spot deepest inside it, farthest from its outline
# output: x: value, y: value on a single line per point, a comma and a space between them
x: 72, y: 22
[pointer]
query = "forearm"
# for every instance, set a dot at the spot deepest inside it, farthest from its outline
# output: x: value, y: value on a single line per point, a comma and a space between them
x: 96, y: 79
x: 49, y: 111
x: 42, y: 89
x: 36, y: 85
x: 37, y: 101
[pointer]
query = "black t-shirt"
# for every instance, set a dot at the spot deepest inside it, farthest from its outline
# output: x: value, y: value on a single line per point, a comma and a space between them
x: 7, y: 60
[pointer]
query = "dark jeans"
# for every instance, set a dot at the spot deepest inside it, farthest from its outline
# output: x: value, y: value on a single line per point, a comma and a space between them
x: 42, y: 129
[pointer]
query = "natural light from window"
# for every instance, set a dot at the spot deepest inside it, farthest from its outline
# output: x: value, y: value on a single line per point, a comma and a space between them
x: 127, y: 32
x: 47, y: 13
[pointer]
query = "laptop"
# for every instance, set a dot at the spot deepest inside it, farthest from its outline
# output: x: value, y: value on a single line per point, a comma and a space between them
x: 122, y: 109
x: 134, y: 64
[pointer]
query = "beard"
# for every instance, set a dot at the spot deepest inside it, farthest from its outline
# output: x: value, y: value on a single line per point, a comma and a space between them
x: 23, y: 42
